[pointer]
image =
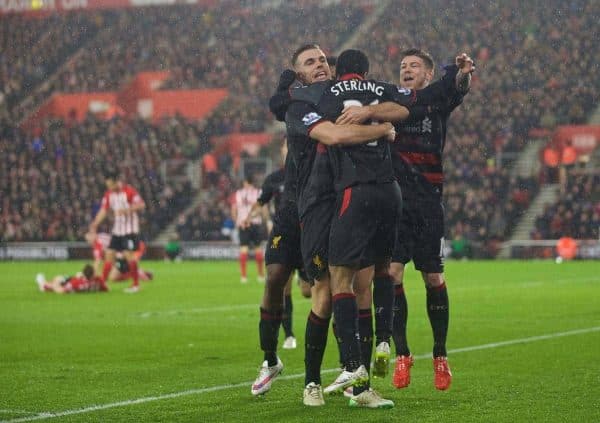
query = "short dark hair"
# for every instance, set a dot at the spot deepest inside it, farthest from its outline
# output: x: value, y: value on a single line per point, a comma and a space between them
x: 111, y: 174
x: 425, y: 56
x: 331, y: 60
x: 88, y: 271
x: 302, y: 49
x: 352, y: 61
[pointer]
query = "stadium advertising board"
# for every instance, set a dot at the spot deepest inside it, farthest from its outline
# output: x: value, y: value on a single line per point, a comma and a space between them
x: 203, y: 251
x: 217, y: 250
x: 34, y: 251
x: 546, y: 249
x: 584, y: 138
x: 82, y: 251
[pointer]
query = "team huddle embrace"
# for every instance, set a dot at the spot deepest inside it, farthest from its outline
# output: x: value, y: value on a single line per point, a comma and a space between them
x: 364, y: 184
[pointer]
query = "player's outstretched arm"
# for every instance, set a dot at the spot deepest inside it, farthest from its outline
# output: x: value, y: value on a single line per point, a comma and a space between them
x: 329, y: 133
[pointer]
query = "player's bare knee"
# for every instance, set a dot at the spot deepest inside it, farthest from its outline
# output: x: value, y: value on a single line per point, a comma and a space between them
x: 321, y: 299
x: 397, y: 273
x: 364, y: 298
x: 382, y: 269
x: 341, y: 279
x: 362, y: 286
x: 277, y: 276
x: 304, y: 288
x: 433, y: 280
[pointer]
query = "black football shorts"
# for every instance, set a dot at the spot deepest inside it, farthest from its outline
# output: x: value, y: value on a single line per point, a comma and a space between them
x: 421, y: 236
x: 363, y: 228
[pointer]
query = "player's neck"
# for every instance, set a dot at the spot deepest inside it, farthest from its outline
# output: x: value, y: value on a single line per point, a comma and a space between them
x: 349, y: 76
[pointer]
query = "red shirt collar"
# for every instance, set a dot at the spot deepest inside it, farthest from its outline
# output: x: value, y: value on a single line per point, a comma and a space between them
x: 350, y: 76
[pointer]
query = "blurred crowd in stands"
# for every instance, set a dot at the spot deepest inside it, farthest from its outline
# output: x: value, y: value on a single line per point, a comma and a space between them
x: 533, y: 71
x: 32, y: 50
x: 52, y: 182
x: 577, y: 212
x: 533, y: 66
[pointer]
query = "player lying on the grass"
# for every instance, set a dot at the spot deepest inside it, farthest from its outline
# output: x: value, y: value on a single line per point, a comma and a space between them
x: 120, y: 271
x: 83, y: 281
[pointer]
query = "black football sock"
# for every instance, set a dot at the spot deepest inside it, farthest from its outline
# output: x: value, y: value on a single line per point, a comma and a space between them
x: 365, y: 330
x: 345, y: 311
x: 438, y: 311
x: 286, y: 322
x: 337, y: 340
x: 314, y: 347
x: 268, y: 329
x: 383, y: 300
x: 400, y: 320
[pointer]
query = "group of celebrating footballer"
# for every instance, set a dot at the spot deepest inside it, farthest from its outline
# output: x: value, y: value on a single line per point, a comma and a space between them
x: 362, y: 197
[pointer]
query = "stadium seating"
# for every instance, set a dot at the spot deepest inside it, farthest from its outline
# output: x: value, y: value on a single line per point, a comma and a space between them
x: 577, y: 212
x: 53, y: 181
x: 33, y: 49
x: 530, y: 70
x: 531, y: 74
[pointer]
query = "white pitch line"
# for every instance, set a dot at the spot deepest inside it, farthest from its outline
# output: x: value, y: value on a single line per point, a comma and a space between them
x: 48, y: 415
x: 18, y: 412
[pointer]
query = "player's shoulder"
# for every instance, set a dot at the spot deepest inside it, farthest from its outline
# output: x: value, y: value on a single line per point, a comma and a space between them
x: 129, y: 189
x: 394, y: 88
x: 310, y: 93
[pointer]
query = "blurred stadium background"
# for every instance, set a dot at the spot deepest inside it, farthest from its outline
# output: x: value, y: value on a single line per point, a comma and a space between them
x: 175, y: 94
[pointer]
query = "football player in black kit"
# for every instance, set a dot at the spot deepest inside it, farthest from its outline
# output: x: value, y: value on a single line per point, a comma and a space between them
x: 316, y: 202
x: 418, y: 153
x: 280, y: 250
x: 282, y: 257
x: 368, y: 202
x: 316, y: 213
x: 310, y: 64
x: 417, y: 160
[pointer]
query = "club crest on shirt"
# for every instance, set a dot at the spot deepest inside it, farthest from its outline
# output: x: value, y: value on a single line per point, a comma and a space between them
x: 275, y: 242
x: 310, y: 118
x: 405, y: 91
x: 318, y: 262
x: 427, y: 124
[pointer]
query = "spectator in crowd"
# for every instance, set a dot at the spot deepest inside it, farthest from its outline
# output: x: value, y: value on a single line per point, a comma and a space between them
x: 173, y: 249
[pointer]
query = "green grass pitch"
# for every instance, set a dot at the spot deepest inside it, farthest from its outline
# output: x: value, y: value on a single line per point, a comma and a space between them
x: 524, y: 346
